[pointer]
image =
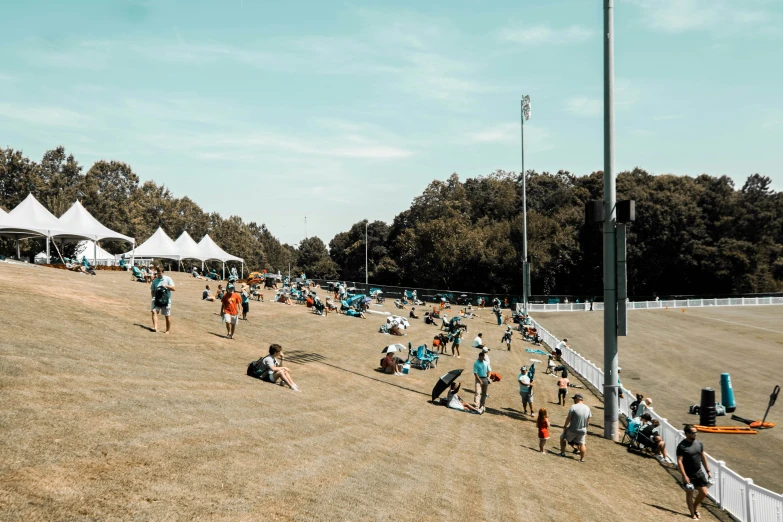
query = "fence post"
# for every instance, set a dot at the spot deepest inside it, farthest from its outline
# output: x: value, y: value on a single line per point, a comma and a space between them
x: 720, y: 479
x: 748, y: 508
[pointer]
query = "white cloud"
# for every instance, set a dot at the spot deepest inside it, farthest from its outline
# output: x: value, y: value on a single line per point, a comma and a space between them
x: 504, y: 133
x: 678, y: 16
x: 584, y: 106
x: 43, y: 116
x: 536, y: 138
x: 544, y: 34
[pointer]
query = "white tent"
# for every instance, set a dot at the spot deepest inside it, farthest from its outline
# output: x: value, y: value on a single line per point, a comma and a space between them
x: 158, y: 245
x: 31, y: 219
x: 210, y: 250
x: 78, y: 219
x: 188, y: 248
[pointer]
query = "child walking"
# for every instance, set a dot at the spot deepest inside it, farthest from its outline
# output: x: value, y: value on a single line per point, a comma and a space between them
x: 543, y: 429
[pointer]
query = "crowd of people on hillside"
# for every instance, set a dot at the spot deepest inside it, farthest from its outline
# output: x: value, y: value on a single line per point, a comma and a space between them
x: 234, y: 306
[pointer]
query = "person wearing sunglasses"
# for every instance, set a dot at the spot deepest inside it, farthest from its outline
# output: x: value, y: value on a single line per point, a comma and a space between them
x: 695, y: 470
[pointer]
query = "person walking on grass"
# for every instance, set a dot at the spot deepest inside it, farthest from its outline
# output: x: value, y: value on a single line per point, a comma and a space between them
x: 229, y: 310
x: 481, y: 375
x: 245, y: 295
x: 695, y: 470
x: 525, y: 390
x: 161, y: 289
x: 562, y: 388
x: 273, y: 372
x: 575, y: 428
x: 542, y: 423
x: 456, y: 343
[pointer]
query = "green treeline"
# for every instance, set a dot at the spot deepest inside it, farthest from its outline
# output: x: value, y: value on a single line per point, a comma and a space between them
x: 691, y: 236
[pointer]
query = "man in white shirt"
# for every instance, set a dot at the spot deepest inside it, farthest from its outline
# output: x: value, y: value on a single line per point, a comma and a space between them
x: 478, y: 342
x: 559, y: 348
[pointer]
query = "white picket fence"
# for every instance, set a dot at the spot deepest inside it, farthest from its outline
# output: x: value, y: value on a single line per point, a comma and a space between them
x: 656, y: 305
x: 738, y: 495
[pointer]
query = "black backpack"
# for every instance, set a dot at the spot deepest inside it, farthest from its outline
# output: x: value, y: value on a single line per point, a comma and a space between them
x: 256, y: 368
x: 162, y: 296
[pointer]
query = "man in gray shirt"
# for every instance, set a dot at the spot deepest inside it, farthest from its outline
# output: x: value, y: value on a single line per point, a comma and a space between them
x: 575, y: 427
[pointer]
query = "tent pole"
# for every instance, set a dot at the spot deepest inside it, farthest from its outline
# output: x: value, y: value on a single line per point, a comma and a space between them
x: 18, y: 255
x: 95, y: 253
x: 47, y: 251
x: 243, y: 269
x: 224, y: 269
x: 133, y: 253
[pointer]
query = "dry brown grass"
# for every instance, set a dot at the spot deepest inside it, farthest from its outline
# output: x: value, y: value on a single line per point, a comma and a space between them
x: 102, y: 419
x: 670, y: 356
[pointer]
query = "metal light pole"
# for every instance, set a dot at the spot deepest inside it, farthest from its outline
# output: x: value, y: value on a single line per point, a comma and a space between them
x: 610, y: 246
x: 525, y: 264
x: 366, y: 263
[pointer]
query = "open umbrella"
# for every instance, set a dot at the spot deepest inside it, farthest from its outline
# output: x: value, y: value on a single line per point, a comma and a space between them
x: 367, y: 300
x: 444, y: 383
x: 393, y: 348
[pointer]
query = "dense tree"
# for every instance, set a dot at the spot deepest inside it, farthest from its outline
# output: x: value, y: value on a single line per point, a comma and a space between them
x: 111, y: 192
x: 692, y: 235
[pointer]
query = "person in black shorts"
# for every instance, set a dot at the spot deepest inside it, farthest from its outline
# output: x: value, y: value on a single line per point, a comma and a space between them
x: 694, y: 469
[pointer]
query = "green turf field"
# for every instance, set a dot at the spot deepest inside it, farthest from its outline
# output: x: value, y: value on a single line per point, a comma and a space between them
x: 670, y: 355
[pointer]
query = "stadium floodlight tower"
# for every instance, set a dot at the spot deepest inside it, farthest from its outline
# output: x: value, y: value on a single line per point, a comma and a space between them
x: 525, y: 262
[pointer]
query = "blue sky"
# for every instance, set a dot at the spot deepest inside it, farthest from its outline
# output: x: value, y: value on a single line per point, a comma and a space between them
x: 342, y: 111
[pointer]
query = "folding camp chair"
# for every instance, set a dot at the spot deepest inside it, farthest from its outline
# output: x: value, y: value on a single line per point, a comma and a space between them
x: 423, y: 358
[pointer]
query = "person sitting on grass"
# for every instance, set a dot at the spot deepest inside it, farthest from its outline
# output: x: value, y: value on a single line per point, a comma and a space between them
x: 273, y: 371
x: 392, y: 364
x: 220, y: 292
x: 353, y: 312
x: 206, y: 295
x: 412, y: 314
x: 478, y: 342
x: 330, y: 305
x: 454, y: 401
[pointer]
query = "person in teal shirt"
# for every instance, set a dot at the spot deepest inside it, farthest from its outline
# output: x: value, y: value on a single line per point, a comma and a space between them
x: 245, y: 303
x: 481, y: 374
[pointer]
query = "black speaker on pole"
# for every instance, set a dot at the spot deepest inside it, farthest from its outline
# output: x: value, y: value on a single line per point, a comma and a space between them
x: 626, y: 211
x: 594, y: 212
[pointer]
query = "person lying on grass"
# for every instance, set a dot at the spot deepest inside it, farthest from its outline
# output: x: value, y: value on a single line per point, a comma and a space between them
x: 273, y: 371
x: 392, y: 364
x: 454, y: 401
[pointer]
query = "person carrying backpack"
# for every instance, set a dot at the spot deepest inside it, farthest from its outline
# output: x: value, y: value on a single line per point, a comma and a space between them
x: 161, y: 289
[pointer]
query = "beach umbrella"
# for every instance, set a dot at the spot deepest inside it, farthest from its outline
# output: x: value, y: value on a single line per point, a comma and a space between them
x: 367, y: 300
x: 444, y: 383
x: 393, y: 348
x: 455, y: 319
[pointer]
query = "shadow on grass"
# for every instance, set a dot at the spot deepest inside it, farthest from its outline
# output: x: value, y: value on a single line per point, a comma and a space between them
x: 148, y: 328
x: 222, y: 336
x: 371, y: 378
x: 673, y: 512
